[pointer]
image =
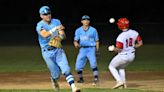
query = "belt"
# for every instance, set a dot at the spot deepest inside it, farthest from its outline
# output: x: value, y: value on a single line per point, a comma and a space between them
x: 127, y: 53
x: 87, y: 46
x: 49, y: 48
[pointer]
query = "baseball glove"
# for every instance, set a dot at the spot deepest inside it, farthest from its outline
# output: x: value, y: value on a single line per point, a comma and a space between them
x: 55, y: 42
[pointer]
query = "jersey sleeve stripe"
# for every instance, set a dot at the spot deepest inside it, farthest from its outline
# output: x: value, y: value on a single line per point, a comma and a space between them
x: 119, y: 45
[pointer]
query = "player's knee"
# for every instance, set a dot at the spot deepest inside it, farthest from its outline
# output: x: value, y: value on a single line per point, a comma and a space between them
x: 110, y: 67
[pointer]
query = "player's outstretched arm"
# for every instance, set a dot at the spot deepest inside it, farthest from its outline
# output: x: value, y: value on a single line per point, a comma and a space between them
x: 45, y: 33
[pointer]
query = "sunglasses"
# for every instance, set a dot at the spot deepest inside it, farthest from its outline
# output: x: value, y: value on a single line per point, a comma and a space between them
x: 46, y: 14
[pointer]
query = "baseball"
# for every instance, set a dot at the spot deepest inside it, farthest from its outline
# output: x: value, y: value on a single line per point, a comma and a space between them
x: 111, y: 20
x: 111, y: 48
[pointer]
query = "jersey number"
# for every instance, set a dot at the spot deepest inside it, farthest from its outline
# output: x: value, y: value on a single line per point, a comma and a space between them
x: 129, y: 42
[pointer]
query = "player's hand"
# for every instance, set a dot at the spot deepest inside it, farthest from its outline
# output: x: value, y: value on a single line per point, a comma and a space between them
x: 111, y: 48
x: 60, y: 27
x: 76, y: 44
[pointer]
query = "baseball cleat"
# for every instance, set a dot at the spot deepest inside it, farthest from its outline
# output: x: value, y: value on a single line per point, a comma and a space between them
x: 80, y: 81
x: 55, y: 85
x: 119, y: 84
x: 124, y: 86
x: 95, y: 82
x: 76, y: 90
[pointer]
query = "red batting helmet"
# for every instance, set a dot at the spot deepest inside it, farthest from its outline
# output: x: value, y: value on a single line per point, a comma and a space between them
x: 123, y: 23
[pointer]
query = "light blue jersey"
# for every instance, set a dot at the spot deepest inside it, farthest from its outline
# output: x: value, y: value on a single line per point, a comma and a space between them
x: 42, y: 25
x: 86, y: 38
x: 55, y: 58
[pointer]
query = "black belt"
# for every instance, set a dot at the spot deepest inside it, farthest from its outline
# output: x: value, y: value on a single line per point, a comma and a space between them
x: 51, y: 48
x: 87, y: 46
x: 127, y: 53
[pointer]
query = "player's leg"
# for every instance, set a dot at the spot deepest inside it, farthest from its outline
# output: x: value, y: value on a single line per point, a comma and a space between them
x: 113, y: 66
x: 91, y: 55
x: 130, y: 57
x: 62, y: 62
x: 80, y: 63
x: 54, y: 69
x: 123, y: 77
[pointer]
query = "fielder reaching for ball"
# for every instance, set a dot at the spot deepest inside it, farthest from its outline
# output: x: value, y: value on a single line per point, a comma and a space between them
x: 126, y: 44
x: 86, y: 38
x: 50, y: 34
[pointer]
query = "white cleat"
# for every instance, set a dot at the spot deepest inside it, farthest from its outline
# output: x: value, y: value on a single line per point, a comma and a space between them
x: 55, y: 85
x: 76, y: 90
x: 95, y: 82
x: 119, y: 84
x: 124, y: 86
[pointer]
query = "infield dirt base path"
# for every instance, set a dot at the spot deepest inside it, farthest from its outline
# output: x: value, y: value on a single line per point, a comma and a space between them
x: 41, y: 80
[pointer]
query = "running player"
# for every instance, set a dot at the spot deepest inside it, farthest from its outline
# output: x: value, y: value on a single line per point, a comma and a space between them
x: 126, y: 44
x: 54, y: 57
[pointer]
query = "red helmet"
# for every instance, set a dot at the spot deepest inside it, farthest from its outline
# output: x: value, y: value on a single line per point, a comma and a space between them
x: 123, y: 23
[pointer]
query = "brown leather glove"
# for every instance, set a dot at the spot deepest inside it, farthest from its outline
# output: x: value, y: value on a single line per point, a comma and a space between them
x: 55, y: 42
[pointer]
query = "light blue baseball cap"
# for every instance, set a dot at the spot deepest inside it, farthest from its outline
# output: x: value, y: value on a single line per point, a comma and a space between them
x: 44, y: 10
x: 85, y: 17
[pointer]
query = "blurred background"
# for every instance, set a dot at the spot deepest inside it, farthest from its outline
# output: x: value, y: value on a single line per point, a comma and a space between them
x: 19, y: 18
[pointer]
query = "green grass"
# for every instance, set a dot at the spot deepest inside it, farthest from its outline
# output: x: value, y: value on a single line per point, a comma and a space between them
x: 83, y: 90
x: 28, y: 58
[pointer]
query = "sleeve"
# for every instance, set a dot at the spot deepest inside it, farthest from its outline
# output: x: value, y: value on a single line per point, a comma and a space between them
x: 96, y: 35
x: 119, y: 42
x: 58, y: 22
x: 138, y: 38
x: 39, y: 28
x: 119, y: 45
x: 77, y: 35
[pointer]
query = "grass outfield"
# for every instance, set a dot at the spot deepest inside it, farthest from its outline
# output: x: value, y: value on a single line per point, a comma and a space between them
x: 28, y: 58
x: 83, y: 90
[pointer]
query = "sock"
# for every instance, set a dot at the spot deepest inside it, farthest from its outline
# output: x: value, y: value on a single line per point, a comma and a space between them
x: 69, y: 79
x: 95, y: 73
x: 80, y: 74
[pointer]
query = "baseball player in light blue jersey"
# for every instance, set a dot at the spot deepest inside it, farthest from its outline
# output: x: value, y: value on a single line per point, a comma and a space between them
x: 86, y: 38
x: 55, y: 58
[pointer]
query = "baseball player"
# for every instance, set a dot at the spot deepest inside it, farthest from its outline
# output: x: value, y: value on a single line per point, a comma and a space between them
x: 50, y: 34
x: 86, y: 38
x: 126, y: 43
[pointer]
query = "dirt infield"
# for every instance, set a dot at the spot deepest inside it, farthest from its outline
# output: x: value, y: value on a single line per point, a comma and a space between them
x: 38, y: 80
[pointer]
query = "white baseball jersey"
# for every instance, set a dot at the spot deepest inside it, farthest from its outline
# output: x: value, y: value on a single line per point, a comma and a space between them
x: 126, y: 41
